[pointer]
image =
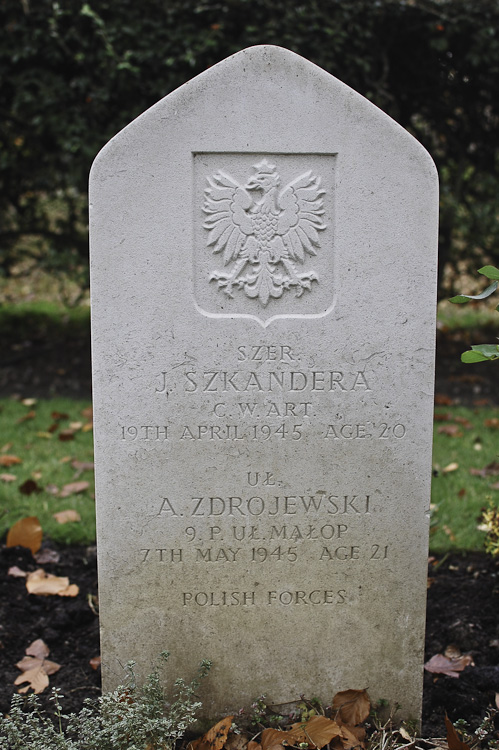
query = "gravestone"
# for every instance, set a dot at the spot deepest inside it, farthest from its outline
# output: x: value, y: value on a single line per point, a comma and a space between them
x: 263, y: 251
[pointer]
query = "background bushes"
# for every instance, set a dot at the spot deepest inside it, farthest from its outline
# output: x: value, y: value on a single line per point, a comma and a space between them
x: 74, y: 73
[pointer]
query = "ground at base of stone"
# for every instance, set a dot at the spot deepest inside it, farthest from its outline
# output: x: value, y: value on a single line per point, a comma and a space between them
x: 463, y: 599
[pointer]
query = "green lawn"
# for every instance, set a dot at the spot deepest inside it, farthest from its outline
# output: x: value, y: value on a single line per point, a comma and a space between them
x: 457, y: 495
x: 47, y: 460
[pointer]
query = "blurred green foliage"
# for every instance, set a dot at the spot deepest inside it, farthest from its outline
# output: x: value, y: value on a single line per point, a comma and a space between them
x: 74, y: 73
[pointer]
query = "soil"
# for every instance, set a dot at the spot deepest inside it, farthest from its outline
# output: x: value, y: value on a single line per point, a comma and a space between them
x: 463, y: 601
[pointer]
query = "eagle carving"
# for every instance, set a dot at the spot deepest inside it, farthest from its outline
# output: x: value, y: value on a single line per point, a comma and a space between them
x: 264, y: 231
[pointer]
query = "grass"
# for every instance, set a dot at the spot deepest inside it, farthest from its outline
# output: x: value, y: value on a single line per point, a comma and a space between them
x: 47, y: 460
x: 457, y: 496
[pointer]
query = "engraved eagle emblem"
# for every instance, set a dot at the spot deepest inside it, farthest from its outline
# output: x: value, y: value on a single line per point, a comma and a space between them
x: 264, y: 231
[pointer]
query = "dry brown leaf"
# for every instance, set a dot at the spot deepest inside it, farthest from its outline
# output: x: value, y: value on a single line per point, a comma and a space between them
x: 73, y: 488
x: 453, y: 740
x: 29, y: 486
x: 352, y: 706
x: 36, y: 678
x: 352, y: 737
x: 442, y: 417
x: 41, y: 583
x: 9, y: 460
x: 26, y: 533
x: 252, y: 745
x: 66, y: 435
x: 236, y: 742
x: 8, y: 477
x: 321, y: 730
x: 67, y: 516
x: 215, y: 738
x: 450, y: 666
x: 58, y: 416
x: 47, y: 555
x: 95, y: 662
x: 274, y: 738
x: 87, y: 412
x: 452, y: 430
x: 491, y: 470
x: 492, y: 423
x: 82, y: 465
x: 87, y: 427
x: 38, y: 648
x: 442, y: 400
x: 30, y: 415
x: 31, y: 662
x: 465, y: 422
x: 16, y: 572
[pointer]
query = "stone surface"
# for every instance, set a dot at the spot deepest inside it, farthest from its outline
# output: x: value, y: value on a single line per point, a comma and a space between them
x: 263, y: 251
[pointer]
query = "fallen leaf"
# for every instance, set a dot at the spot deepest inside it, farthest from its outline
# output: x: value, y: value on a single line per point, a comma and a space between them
x: 497, y: 700
x: 75, y: 426
x: 252, y: 745
x: 452, y: 430
x: 215, y: 738
x: 352, y: 737
x: 37, y: 679
x: 95, y: 662
x: 53, y: 428
x: 41, y: 583
x: 453, y: 740
x: 87, y: 412
x: 36, y: 475
x: 64, y: 459
x: 352, y: 706
x: 38, y: 648
x: 8, y: 477
x: 28, y: 401
x: 442, y: 417
x: 29, y: 486
x: 8, y: 460
x: 442, y: 400
x: 87, y: 427
x: 274, y: 738
x: 30, y: 662
x: 47, y: 556
x: 82, y: 466
x: 450, y: 467
x: 236, y: 742
x: 492, y: 423
x: 29, y: 415
x: 52, y: 489
x: 494, y: 486
x: 462, y: 492
x: 6, y: 447
x: 73, y: 488
x: 449, y: 532
x: 465, y: 422
x: 46, y: 435
x: 16, y: 572
x: 27, y: 532
x: 66, y: 435
x: 320, y: 730
x: 491, y: 470
x: 405, y: 734
x: 67, y: 516
x: 441, y: 664
x: 58, y: 416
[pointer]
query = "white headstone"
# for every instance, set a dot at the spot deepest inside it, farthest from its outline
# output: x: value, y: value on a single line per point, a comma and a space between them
x: 263, y: 251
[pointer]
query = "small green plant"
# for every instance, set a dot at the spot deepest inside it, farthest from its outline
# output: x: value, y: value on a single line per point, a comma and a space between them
x: 490, y: 524
x: 131, y: 717
x: 481, y: 352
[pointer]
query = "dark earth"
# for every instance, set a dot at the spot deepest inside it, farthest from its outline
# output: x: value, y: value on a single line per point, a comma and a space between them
x: 463, y: 598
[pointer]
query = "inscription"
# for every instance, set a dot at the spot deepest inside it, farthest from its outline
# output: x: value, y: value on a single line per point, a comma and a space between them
x: 273, y: 353
x: 264, y: 230
x: 317, y: 597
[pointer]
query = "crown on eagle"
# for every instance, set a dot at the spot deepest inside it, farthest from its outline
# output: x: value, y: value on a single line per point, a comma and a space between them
x: 265, y: 167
